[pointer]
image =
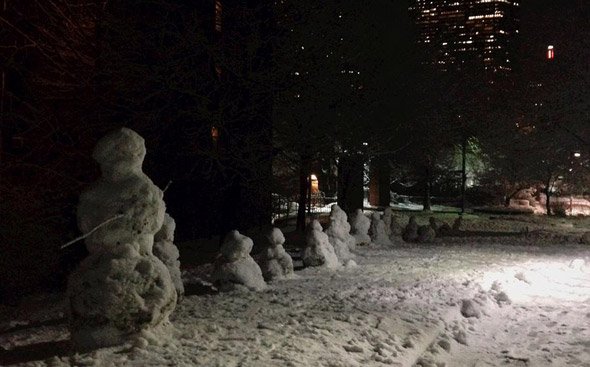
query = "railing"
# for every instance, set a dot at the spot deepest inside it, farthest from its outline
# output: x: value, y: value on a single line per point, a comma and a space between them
x: 285, y: 207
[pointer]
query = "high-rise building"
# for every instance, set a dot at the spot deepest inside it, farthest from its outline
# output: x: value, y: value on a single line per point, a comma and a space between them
x: 468, y: 33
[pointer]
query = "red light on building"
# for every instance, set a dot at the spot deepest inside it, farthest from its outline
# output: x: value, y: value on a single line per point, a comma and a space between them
x: 550, y: 52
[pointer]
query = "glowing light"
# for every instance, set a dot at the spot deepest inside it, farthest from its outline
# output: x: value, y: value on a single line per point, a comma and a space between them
x: 550, y: 52
x: 577, y: 155
x: 315, y: 184
x: 533, y: 281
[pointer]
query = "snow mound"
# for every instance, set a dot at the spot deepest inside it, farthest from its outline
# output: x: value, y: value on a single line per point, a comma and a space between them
x: 116, y: 294
x: 457, y: 224
x: 577, y: 264
x: 470, y: 309
x: 396, y: 228
x: 360, y: 228
x: 167, y: 252
x: 235, y: 266
x: 388, y: 220
x: 339, y: 234
x: 426, y: 234
x: 378, y: 231
x: 275, y: 262
x: 410, y: 233
x: 318, y: 249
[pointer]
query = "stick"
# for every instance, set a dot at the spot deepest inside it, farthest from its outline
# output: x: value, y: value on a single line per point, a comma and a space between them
x: 167, y: 186
x: 92, y: 231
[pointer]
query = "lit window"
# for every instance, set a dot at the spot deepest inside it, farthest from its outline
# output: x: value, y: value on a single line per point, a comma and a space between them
x: 550, y: 52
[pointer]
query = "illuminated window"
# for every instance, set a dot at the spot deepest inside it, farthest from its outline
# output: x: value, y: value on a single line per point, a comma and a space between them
x: 550, y: 52
x: 218, y: 11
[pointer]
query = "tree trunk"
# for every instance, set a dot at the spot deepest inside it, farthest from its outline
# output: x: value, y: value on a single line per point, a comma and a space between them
x: 350, y: 182
x: 309, y: 194
x: 548, y: 194
x: 463, y: 172
x: 304, y: 169
x: 379, y: 180
x: 426, y: 203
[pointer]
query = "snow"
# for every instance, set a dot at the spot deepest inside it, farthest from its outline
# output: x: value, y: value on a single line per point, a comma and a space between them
x: 165, y: 250
x: 410, y: 233
x: 275, y: 262
x: 379, y: 234
x: 121, y: 289
x: 318, y: 250
x: 122, y: 189
x: 388, y: 220
x: 360, y: 225
x: 339, y: 235
x: 426, y: 234
x: 235, y: 267
x: 401, y: 306
x: 115, y: 294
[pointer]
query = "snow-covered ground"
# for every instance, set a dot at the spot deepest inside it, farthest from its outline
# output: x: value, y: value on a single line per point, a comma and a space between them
x: 528, y: 305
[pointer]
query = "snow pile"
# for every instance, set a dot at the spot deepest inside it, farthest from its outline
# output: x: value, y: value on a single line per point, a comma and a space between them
x: 116, y: 295
x: 275, y: 261
x: 410, y: 233
x: 396, y: 228
x: 388, y: 220
x: 235, y: 267
x: 167, y: 252
x: 339, y: 234
x: 469, y: 308
x: 121, y: 289
x: 440, y: 228
x: 433, y: 224
x: 318, y: 249
x: 378, y: 231
x: 392, y: 226
x: 360, y: 228
x: 457, y: 224
x: 426, y: 234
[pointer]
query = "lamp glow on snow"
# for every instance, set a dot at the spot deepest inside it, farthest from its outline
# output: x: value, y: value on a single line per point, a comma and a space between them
x: 544, y: 281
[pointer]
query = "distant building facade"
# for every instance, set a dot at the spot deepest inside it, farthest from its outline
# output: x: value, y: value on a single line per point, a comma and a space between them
x: 468, y: 33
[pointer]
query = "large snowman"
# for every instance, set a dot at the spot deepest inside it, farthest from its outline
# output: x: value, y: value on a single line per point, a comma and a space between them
x: 121, y: 289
